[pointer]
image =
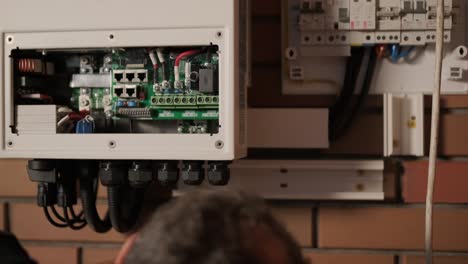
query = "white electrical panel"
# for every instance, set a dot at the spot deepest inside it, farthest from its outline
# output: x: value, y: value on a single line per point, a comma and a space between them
x: 106, y: 80
x: 319, y: 36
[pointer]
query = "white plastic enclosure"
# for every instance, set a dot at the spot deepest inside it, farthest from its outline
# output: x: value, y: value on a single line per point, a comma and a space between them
x: 149, y: 23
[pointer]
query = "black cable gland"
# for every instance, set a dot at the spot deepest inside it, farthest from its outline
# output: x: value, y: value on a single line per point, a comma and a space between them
x: 42, y: 171
x: 113, y: 174
x: 168, y: 173
x: 219, y: 173
x: 140, y: 175
x: 193, y: 173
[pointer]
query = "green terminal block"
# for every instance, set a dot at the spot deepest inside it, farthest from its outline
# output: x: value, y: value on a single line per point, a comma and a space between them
x: 185, y: 101
x: 162, y: 100
x: 207, y: 100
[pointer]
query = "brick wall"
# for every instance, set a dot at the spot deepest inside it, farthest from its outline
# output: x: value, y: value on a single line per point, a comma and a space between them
x: 390, y: 232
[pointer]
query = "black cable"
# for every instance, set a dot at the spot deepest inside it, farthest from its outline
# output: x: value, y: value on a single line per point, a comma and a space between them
x: 121, y: 221
x: 52, y: 221
x: 125, y: 192
x: 353, y: 66
x: 76, y: 218
x: 71, y: 223
x: 88, y: 198
x: 346, y: 86
x: 88, y: 175
x: 351, y: 115
x: 338, y: 110
x: 57, y: 215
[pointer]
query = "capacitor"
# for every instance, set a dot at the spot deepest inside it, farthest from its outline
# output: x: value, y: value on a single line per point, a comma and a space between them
x: 85, y: 126
x: 120, y: 103
x: 132, y: 104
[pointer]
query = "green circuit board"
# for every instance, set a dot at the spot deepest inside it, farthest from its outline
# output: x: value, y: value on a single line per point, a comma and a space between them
x: 142, y: 88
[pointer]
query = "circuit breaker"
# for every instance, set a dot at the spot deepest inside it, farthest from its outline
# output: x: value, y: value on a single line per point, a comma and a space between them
x: 132, y: 82
x: 353, y: 48
x: 320, y: 34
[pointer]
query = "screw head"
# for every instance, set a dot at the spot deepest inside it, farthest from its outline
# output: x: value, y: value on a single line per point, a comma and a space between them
x: 219, y: 144
x: 84, y: 102
x: 112, y: 144
x: 107, y: 101
x: 10, y: 144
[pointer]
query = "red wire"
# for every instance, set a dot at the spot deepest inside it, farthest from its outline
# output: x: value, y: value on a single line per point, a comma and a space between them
x: 380, y: 51
x: 155, y: 66
x: 185, y: 54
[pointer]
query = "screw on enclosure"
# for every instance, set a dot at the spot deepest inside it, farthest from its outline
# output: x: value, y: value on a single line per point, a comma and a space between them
x: 112, y: 144
x: 10, y: 144
x: 219, y: 34
x: 219, y: 144
x: 9, y: 39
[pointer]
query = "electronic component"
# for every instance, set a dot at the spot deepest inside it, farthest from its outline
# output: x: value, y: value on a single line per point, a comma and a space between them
x: 37, y: 66
x: 135, y: 112
x: 130, y: 76
x: 85, y: 126
x: 207, y: 80
x: 91, y: 81
x: 36, y: 120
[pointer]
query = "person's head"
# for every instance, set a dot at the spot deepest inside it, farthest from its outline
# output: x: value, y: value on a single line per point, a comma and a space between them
x: 214, y: 228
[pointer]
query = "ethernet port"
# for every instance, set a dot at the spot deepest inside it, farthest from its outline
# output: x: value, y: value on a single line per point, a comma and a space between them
x: 118, y: 76
x: 118, y: 91
x: 141, y: 76
x: 130, y: 76
x: 131, y: 92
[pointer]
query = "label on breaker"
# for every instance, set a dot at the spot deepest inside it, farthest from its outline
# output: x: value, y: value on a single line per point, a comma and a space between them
x: 363, y: 14
x: 337, y: 15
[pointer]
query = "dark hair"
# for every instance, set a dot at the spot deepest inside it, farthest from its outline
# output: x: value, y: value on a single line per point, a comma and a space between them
x: 211, y: 228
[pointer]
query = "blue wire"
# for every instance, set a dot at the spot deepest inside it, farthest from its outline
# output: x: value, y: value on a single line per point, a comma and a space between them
x: 398, y: 53
x: 406, y: 53
x: 395, y: 52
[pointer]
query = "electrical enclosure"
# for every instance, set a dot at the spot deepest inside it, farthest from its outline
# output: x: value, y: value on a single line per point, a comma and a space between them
x: 155, y: 80
x: 318, y: 36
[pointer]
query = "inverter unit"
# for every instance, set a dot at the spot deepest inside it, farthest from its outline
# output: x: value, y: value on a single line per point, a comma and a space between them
x: 116, y: 80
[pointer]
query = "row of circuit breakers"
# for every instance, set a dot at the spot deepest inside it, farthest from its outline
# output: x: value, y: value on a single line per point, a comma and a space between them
x: 349, y: 22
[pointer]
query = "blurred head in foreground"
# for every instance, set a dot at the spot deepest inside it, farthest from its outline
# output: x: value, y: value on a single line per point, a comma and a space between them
x: 213, y: 228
